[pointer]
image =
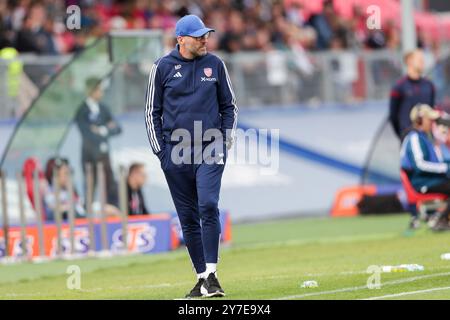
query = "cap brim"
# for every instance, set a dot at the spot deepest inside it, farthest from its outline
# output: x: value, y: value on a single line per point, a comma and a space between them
x: 201, y: 32
x: 434, y: 115
x: 443, y: 121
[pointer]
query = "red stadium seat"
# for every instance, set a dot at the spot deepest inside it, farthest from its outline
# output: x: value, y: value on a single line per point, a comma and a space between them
x: 416, y: 198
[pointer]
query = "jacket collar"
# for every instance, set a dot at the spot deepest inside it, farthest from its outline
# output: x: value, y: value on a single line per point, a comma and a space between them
x: 176, y: 54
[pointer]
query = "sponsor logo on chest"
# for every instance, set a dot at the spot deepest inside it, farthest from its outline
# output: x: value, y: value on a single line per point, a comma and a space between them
x: 208, y: 73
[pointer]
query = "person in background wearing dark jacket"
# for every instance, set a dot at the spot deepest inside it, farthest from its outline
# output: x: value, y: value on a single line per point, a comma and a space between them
x: 323, y: 24
x: 135, y: 181
x: 189, y: 95
x: 97, y: 125
x: 409, y: 91
x: 36, y: 36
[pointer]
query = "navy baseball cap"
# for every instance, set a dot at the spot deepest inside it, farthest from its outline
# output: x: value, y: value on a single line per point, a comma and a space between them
x: 191, y: 25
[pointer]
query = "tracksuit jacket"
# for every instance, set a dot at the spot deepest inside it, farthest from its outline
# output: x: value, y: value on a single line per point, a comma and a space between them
x: 181, y: 91
x: 419, y: 159
x: 405, y: 94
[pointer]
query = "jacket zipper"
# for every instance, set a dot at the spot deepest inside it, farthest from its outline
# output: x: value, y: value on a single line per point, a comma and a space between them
x: 193, y: 78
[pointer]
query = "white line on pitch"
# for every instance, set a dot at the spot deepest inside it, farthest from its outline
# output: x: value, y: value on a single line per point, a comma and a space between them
x: 12, y: 295
x: 90, y: 290
x: 406, y: 293
x: 344, y: 273
x: 350, y: 289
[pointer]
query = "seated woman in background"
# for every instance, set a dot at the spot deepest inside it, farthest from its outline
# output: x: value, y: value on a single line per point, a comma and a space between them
x: 135, y: 181
x: 62, y: 177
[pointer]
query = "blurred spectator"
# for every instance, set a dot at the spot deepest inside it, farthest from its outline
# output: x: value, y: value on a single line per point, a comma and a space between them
x: 18, y: 12
x: 344, y: 69
x: 295, y: 14
x: 61, y: 168
x: 323, y: 24
x: 392, y: 35
x: 358, y: 26
x: 26, y: 40
x: 135, y: 181
x: 13, y: 75
x: 409, y: 91
x: 298, y: 40
x: 140, y: 13
x: 445, y: 121
x: 49, y: 37
x: 162, y: 17
x: 233, y: 38
x: 97, y: 125
x: 36, y: 34
x: 376, y: 39
x: 262, y: 39
x: 438, y: 74
x: 440, y: 132
x: 80, y: 40
x: 6, y: 34
x: 20, y: 90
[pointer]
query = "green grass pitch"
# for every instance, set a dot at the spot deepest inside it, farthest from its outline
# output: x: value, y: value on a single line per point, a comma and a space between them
x: 271, y: 258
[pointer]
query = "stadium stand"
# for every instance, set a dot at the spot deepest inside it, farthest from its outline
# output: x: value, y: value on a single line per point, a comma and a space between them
x: 39, y: 26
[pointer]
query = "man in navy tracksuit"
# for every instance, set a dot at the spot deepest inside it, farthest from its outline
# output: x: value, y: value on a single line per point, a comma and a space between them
x: 408, y: 92
x: 191, y: 116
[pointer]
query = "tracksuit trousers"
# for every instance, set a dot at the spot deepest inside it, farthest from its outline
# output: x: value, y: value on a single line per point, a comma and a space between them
x: 195, y: 190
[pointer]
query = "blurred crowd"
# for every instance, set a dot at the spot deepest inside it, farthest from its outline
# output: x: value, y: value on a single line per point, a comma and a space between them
x: 40, y: 26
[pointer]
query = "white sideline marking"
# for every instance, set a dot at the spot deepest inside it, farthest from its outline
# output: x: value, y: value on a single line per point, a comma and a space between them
x: 298, y: 296
x: 144, y: 286
x: 10, y: 295
x: 343, y: 273
x: 407, y: 293
x: 90, y: 290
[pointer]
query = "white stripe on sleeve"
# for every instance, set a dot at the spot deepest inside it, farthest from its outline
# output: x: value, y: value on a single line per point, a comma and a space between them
x: 233, y: 100
x: 149, y: 109
x: 427, y: 166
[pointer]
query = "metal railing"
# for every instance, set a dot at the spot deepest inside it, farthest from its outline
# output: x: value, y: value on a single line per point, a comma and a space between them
x: 32, y: 246
x: 285, y: 78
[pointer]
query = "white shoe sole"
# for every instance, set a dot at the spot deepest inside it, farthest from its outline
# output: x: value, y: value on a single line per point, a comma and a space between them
x: 211, y: 295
